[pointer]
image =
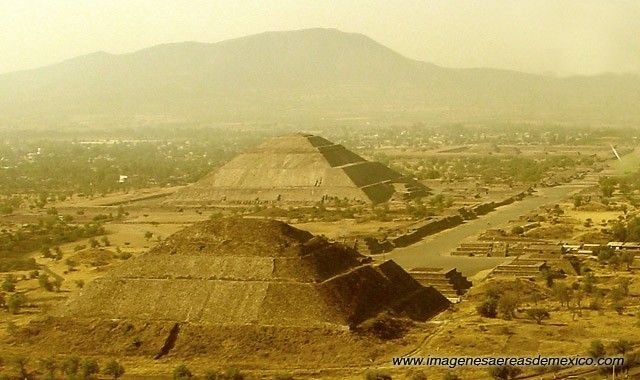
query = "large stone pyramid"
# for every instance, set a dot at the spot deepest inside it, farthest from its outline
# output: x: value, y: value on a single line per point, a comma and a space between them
x: 298, y: 168
x: 236, y: 271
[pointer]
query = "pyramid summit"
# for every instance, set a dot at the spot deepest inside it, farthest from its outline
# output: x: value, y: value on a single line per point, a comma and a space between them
x: 236, y: 271
x: 299, y: 168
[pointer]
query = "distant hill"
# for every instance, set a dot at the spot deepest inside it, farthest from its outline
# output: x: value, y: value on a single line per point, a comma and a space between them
x: 301, y: 75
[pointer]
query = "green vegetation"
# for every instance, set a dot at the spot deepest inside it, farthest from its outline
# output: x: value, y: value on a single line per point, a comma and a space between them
x: 57, y: 169
x: 114, y: 369
x: 377, y: 375
x: 492, y: 169
x: 384, y: 327
x: 15, y: 302
x: 47, y: 232
x: 89, y: 369
x: 538, y: 314
x: 504, y: 372
x: 627, y: 231
x: 182, y: 372
x: 9, y: 284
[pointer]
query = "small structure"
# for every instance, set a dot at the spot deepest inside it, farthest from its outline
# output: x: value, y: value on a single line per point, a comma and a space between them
x: 520, y: 270
x: 451, y: 283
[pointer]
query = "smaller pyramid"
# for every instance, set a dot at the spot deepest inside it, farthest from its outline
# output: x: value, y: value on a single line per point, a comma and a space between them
x: 299, y: 168
x: 237, y: 271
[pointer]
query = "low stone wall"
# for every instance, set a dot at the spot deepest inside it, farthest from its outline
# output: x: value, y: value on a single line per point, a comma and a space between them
x: 430, y: 227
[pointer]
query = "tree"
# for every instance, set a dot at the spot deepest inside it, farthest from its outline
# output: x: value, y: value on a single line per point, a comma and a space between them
x: 48, y: 367
x: 562, y: 293
x: 15, y: 302
x: 70, y: 366
x: 623, y: 286
x: 21, y: 366
x: 622, y: 346
x: 451, y: 376
x: 232, y: 374
x: 121, y: 212
x: 548, y: 277
x: 57, y: 284
x: 504, y: 372
x: 9, y: 284
x: 212, y: 375
x: 44, y: 282
x: 589, y: 281
x: 46, y: 251
x: 488, y: 308
x: 181, y: 372
x: 79, y: 284
x: 618, y: 306
x: 607, y: 185
x: 376, y: 375
x: 89, y: 368
x: 619, y: 231
x: 517, y: 230
x: 627, y: 258
x: 577, y: 201
x: 148, y: 235
x: 418, y: 375
x: 538, y: 314
x: 507, y: 304
x: 114, y: 369
x: 596, y: 349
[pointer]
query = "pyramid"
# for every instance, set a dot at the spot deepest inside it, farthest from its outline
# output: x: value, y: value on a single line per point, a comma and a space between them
x: 298, y: 168
x: 235, y: 271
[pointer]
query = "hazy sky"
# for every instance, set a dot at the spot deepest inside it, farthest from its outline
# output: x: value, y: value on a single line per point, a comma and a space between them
x: 562, y: 36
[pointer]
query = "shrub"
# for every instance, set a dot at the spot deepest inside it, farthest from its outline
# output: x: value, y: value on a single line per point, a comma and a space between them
x: 70, y: 366
x: 283, y: 377
x: 89, y: 368
x: 488, y: 308
x: 9, y: 284
x: 212, y: 375
x: 15, y: 303
x: 507, y: 304
x: 538, y: 314
x: 182, y: 372
x: 504, y: 372
x: 517, y: 230
x: 384, y: 326
x: 377, y: 375
x: 44, y: 282
x: 232, y: 374
x: 21, y: 367
x: 48, y: 367
x: 57, y: 283
x: 418, y: 375
x: 113, y: 368
x: 596, y: 349
x: 125, y: 256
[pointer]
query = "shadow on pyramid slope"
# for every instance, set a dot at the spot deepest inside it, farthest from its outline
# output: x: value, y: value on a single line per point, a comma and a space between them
x: 254, y: 271
x: 298, y: 168
x: 225, y: 289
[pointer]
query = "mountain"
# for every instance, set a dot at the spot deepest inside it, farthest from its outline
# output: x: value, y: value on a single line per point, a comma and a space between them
x: 301, y: 75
